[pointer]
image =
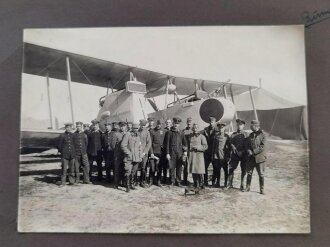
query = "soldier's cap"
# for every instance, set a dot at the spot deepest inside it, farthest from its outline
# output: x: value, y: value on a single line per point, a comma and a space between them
x: 143, y: 122
x: 240, y: 121
x: 212, y: 118
x: 255, y: 122
x: 79, y: 123
x: 150, y: 119
x: 135, y: 126
x: 68, y: 124
x: 177, y: 120
x: 122, y: 124
x: 189, y: 119
x: 86, y: 125
x: 221, y: 125
x: 160, y: 121
x: 107, y: 123
x: 95, y: 121
x: 129, y: 122
x: 115, y: 123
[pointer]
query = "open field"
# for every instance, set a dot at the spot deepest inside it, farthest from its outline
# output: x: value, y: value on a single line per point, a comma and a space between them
x: 45, y: 207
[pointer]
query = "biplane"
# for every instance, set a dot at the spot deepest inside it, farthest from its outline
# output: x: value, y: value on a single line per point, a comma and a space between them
x: 129, y: 89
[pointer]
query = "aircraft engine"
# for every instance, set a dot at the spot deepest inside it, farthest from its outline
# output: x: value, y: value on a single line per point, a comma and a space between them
x: 200, y: 111
x: 220, y: 108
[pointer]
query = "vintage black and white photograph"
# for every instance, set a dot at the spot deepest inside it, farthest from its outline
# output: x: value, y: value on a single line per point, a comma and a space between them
x: 195, y: 129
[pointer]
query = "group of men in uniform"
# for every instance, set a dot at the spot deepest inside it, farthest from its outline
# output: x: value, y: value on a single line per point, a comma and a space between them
x: 127, y: 148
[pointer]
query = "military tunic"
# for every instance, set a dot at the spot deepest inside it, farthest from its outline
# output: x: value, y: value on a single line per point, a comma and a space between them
x: 94, y: 151
x: 256, y: 143
x: 187, y: 132
x: 80, y: 143
x: 157, y: 148
x: 175, y: 145
x: 255, y: 146
x: 112, y: 154
x: 209, y: 133
x: 67, y: 150
x: 220, y: 157
x: 145, y: 146
x: 131, y: 147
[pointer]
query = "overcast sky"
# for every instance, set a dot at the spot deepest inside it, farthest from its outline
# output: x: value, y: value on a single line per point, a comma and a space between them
x: 276, y: 54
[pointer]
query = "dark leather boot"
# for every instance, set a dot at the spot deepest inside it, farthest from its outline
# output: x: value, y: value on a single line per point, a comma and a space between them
x: 132, y: 182
x: 143, y: 179
x: 128, y: 185
x: 158, y: 180
x: 151, y: 179
x: 261, y: 184
x: 248, y: 182
x: 230, y: 178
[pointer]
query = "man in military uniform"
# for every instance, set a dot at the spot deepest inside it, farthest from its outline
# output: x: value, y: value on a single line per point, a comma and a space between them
x: 176, y: 151
x: 129, y: 126
x: 168, y: 124
x: 238, y: 154
x: 67, y: 150
x: 151, y: 122
x: 131, y: 147
x: 94, y: 149
x: 80, y: 143
x: 157, y: 153
x: 118, y: 154
x: 123, y: 127
x: 209, y: 133
x: 187, y: 132
x: 255, y: 147
x: 86, y: 129
x: 107, y: 149
x: 145, y: 146
x: 220, y: 155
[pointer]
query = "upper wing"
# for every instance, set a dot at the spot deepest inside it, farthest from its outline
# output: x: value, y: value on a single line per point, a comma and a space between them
x: 39, y: 60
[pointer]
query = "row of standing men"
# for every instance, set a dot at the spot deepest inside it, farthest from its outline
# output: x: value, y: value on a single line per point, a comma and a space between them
x: 127, y: 148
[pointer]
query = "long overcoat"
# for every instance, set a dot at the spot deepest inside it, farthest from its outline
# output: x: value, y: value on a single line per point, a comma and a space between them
x: 197, y: 145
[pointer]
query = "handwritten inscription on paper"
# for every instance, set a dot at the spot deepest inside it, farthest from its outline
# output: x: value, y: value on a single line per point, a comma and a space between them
x: 312, y: 18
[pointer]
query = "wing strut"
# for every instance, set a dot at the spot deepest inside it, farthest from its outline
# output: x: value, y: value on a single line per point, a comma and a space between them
x: 69, y: 85
x: 49, y: 101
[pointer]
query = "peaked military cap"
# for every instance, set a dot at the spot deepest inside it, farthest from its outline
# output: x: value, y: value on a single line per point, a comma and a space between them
x: 136, y: 126
x: 95, y: 121
x: 160, y: 121
x: 143, y: 122
x: 150, y: 119
x: 79, y: 123
x: 240, y: 121
x: 86, y: 125
x: 68, y: 124
x: 255, y: 122
x: 221, y: 124
x: 122, y: 124
x: 177, y: 120
x: 189, y: 119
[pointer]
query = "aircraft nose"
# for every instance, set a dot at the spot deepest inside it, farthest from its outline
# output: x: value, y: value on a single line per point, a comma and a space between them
x: 211, y: 108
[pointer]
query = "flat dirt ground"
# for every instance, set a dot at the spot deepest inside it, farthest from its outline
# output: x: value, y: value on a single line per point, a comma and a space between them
x: 45, y: 207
